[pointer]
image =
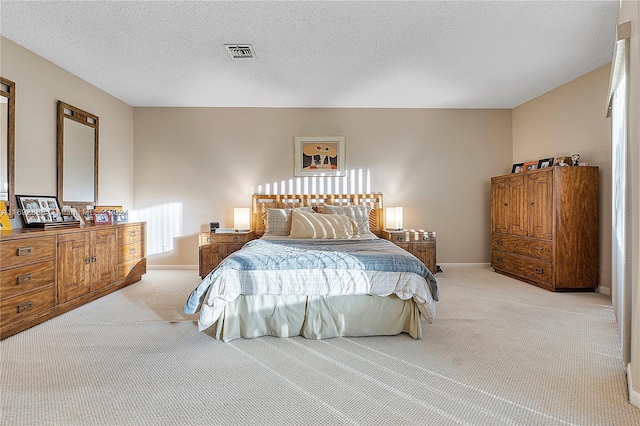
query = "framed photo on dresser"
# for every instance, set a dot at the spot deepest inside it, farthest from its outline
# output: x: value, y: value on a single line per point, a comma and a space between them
x: 101, y: 218
x: 37, y: 210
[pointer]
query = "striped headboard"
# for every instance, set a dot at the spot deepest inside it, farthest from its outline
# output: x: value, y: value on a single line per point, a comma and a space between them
x: 260, y: 203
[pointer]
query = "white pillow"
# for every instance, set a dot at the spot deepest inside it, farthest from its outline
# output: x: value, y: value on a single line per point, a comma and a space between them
x: 325, y: 226
x: 277, y: 222
x: 359, y: 214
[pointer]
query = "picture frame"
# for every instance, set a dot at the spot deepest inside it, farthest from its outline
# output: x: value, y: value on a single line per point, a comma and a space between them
x: 319, y: 156
x: 39, y: 210
x: 517, y: 168
x: 564, y: 160
x: 543, y: 163
x: 101, y: 218
x: 530, y: 165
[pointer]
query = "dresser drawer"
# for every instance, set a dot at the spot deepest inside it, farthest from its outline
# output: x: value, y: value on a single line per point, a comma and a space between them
x: 27, y: 278
x: 129, y: 234
x: 530, y: 247
x: 525, y: 267
x: 130, y: 252
x: 27, y: 250
x: 132, y: 269
x: 27, y: 304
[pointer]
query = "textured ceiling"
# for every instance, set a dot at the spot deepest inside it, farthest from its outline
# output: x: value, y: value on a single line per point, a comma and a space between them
x: 429, y: 54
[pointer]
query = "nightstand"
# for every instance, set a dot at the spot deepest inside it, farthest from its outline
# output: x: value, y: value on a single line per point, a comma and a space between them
x: 215, y: 247
x: 421, y: 244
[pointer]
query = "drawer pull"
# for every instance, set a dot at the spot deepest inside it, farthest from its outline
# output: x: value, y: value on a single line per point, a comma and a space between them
x: 208, y: 239
x: 499, y: 242
x: 24, y: 306
x: 539, y: 248
x: 24, y: 251
x: 87, y: 260
x: 499, y: 259
x: 539, y: 270
x: 506, y: 204
x: 235, y: 239
x: 23, y: 279
x: 93, y: 259
x: 132, y: 251
x: 132, y: 233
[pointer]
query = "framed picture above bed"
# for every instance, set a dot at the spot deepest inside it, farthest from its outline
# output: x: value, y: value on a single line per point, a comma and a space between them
x: 319, y: 156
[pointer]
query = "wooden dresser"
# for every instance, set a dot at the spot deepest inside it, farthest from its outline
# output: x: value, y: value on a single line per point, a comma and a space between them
x: 44, y: 273
x: 544, y: 227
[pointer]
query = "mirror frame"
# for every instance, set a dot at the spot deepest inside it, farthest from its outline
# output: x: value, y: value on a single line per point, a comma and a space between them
x: 10, y: 94
x: 83, y: 117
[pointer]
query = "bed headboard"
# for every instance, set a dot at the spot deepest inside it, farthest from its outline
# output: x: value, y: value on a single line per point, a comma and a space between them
x: 260, y: 203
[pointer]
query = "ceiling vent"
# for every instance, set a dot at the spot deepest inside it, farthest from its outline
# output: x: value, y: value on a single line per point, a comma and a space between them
x: 240, y: 51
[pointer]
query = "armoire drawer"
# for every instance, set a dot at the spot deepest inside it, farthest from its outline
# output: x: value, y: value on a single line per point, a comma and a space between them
x: 525, y: 267
x: 26, y: 278
x: 27, y: 304
x: 27, y: 250
x: 530, y: 247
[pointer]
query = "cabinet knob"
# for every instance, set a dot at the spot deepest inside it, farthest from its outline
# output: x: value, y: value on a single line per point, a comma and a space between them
x: 93, y: 258
x: 499, y: 242
x: 24, y: 251
x: 132, y: 233
x: 506, y: 204
x: 24, y: 306
x: 235, y: 239
x: 499, y: 259
x: 23, y: 279
x: 539, y: 270
x: 87, y: 260
x: 132, y: 251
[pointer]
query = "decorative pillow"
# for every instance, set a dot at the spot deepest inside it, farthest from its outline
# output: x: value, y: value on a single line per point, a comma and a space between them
x: 277, y: 222
x: 359, y: 214
x: 327, y: 226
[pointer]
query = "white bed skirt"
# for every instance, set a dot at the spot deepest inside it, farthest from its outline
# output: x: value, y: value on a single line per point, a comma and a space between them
x: 317, y: 317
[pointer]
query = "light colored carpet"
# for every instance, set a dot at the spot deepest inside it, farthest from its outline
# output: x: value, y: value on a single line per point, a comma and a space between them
x: 499, y: 352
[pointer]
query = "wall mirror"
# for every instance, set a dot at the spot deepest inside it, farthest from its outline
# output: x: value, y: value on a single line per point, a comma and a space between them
x: 7, y: 142
x: 77, y: 156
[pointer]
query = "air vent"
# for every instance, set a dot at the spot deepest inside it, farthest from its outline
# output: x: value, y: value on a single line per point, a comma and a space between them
x: 240, y: 51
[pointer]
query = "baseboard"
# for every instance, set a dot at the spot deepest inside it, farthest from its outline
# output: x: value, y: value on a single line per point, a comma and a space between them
x: 604, y: 290
x: 634, y: 397
x: 172, y: 266
x: 465, y: 265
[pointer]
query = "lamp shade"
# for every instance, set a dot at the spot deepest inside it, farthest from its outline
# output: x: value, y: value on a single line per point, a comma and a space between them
x: 393, y: 218
x: 241, y: 218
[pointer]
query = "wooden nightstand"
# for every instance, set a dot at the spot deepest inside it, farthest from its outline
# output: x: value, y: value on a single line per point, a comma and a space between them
x: 421, y: 244
x: 215, y: 247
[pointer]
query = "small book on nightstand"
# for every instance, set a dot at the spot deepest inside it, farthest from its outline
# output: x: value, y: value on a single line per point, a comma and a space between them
x: 224, y: 230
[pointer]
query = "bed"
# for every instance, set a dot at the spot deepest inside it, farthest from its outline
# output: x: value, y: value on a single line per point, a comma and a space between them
x: 318, y: 270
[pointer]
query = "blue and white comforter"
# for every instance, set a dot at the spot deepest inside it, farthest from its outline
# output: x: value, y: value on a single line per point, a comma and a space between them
x: 314, y: 267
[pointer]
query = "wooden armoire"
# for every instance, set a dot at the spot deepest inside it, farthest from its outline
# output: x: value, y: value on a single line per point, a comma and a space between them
x: 544, y: 227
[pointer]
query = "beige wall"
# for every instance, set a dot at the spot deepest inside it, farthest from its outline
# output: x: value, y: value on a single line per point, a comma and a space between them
x: 630, y: 12
x: 567, y: 120
x: 39, y: 86
x: 437, y: 164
